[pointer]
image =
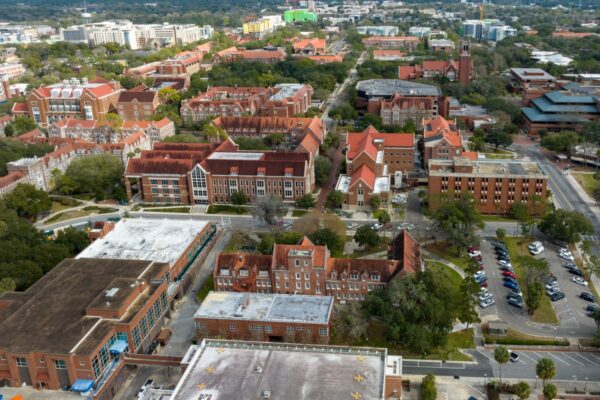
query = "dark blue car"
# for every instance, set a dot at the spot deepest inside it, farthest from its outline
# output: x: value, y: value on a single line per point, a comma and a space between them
x: 511, y: 285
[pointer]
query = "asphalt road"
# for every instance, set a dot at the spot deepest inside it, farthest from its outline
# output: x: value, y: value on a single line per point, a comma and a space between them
x: 570, y: 366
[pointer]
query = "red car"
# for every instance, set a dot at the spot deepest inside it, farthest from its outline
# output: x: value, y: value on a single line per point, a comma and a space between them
x: 472, y: 249
x: 484, y: 284
x: 509, y: 273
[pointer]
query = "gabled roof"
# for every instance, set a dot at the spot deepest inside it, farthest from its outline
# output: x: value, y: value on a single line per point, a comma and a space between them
x: 159, y: 166
x: 140, y: 96
x: 440, y: 128
x: 363, y: 174
x: 20, y: 108
x: 386, y: 269
x: 314, y: 42
x: 281, y: 251
x: 359, y: 142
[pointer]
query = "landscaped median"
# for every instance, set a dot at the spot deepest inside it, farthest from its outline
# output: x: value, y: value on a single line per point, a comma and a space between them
x: 517, y: 247
x: 226, y: 209
x: 517, y: 338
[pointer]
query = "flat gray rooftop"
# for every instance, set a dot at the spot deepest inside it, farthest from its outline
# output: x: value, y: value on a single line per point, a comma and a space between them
x: 233, y: 370
x: 488, y: 168
x: 286, y: 90
x: 266, y: 307
x: 532, y: 74
x: 388, y: 87
x: 162, y: 240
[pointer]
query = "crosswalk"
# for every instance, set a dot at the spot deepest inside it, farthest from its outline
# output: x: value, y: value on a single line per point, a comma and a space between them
x: 593, y: 238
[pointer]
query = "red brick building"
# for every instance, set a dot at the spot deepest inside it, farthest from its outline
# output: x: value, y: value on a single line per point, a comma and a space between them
x: 404, y: 107
x: 195, y: 173
x: 310, y: 270
x: 375, y: 162
x: 73, y: 99
x: 138, y: 104
x: 452, y: 70
x: 71, y: 327
x: 267, y: 56
x: 441, y: 139
x: 264, y: 317
x: 494, y: 185
x: 311, y: 47
x: 282, y: 100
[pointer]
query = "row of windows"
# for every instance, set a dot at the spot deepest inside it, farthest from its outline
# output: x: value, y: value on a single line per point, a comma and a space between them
x: 498, y: 181
x: 165, y: 191
x: 147, y: 322
x: 164, y: 182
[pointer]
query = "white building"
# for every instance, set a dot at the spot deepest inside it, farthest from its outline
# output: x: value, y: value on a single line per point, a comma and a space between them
x: 12, y: 70
x: 498, y: 33
x: 382, y: 30
x: 419, y: 31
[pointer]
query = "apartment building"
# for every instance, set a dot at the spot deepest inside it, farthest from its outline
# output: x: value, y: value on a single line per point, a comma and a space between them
x: 379, y: 30
x: 308, y: 269
x: 138, y: 103
x: 301, y: 134
x: 71, y: 99
x: 282, y: 100
x: 194, y: 173
x: 264, y: 317
x: 375, y: 163
x: 112, y: 307
x: 12, y: 70
x: 388, y: 55
x: 326, y: 59
x: 392, y: 42
x: 442, y: 45
x: 419, y: 31
x: 494, y: 185
x: 102, y: 132
x: 442, y: 140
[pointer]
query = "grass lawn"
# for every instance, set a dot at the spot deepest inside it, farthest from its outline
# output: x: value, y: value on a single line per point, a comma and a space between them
x: 441, y: 249
x: 226, y: 209
x: 59, y: 206
x: 516, y: 247
x: 299, y: 213
x: 66, y: 215
x: 382, y: 246
x: 456, y: 341
x: 183, y: 210
x: 238, y: 240
x: 209, y: 285
x: 587, y: 181
x: 445, y: 272
x: 519, y: 338
x: 498, y: 218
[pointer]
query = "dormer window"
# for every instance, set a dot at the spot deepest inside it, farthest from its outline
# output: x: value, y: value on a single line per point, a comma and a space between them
x: 244, y: 272
x: 354, y: 276
x: 374, y: 277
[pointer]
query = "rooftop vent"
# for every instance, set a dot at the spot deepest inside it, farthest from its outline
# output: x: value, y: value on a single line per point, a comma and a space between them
x: 111, y: 292
x: 259, y: 369
x: 266, y: 394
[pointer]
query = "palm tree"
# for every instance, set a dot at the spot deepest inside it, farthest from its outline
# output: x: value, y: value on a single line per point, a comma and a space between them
x: 550, y: 391
x: 522, y: 390
x: 545, y: 369
x: 501, y: 356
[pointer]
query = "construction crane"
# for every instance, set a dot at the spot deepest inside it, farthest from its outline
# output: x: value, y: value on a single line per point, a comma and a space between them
x: 481, y: 12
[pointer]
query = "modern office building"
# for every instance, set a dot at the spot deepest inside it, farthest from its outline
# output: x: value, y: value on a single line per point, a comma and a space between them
x: 473, y: 29
x: 419, y: 31
x: 494, y: 185
x: 378, y: 30
x: 299, y: 15
x: 264, y: 317
x: 498, y: 33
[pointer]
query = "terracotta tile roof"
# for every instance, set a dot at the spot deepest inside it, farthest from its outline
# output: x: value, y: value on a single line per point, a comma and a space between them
x: 237, y: 261
x: 274, y: 164
x: 267, y: 125
x: 5, y: 119
x: 20, y: 108
x: 102, y: 90
x: 572, y: 35
x: 407, y: 250
x: 280, y: 254
x: 162, y: 122
x: 359, y: 142
x: 365, y: 175
x: 406, y: 72
x: 316, y: 43
x: 159, y: 166
x: 34, y: 134
x: 227, y: 146
x: 74, y: 123
x: 10, y: 178
x: 386, y: 269
x: 472, y: 155
x: 309, y: 144
x: 439, y: 128
x: 264, y: 54
x: 439, y: 65
x: 328, y: 58
x: 130, y: 124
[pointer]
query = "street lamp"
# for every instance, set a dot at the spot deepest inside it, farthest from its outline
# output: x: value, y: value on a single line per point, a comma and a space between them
x: 536, y: 380
x: 485, y: 380
x: 585, y: 387
x: 575, y: 382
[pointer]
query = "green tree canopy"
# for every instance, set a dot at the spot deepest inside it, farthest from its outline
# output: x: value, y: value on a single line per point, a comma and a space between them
x: 566, y: 225
x: 28, y: 201
x: 545, y: 369
x: 428, y: 388
x: 96, y: 174
x: 501, y: 356
x: 550, y: 391
x: 306, y: 201
x: 322, y: 169
x: 561, y: 142
x: 366, y: 236
x: 458, y: 219
x: 335, y: 199
x: 522, y: 390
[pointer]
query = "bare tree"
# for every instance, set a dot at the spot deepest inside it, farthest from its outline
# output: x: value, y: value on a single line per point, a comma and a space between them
x: 269, y: 208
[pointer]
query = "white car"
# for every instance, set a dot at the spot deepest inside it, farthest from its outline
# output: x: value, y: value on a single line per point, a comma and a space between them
x: 486, y: 303
x: 478, y: 274
x: 553, y: 290
x: 578, y: 280
x: 504, y: 263
x: 351, y: 226
x: 536, y: 248
x: 483, y: 290
x: 485, y: 296
x: 567, y: 255
x: 552, y: 285
x: 475, y: 253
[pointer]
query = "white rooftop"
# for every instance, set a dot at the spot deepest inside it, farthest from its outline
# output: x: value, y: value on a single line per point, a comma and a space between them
x: 224, y: 155
x: 285, y: 90
x: 343, y: 183
x: 382, y: 184
x: 161, y: 240
x: 266, y: 307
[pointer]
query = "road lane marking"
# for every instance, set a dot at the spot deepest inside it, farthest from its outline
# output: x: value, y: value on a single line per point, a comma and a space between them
x: 526, y: 356
x: 571, y: 358
x: 587, y: 359
x: 486, y: 356
x: 558, y: 358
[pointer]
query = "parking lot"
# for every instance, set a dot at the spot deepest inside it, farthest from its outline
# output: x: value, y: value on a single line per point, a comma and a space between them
x: 576, y: 366
x: 570, y: 311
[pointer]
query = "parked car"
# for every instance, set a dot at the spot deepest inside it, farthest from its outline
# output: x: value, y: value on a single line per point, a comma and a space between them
x: 509, y: 273
x: 505, y: 263
x: 287, y: 224
x: 474, y: 253
x: 509, y: 279
x: 578, y: 280
x: 472, y: 248
x: 514, y: 357
x: 483, y: 290
x: 513, y: 295
x: 516, y: 301
x: 485, y: 296
x: 507, y: 269
x: 560, y: 243
x: 557, y: 296
x: 536, y: 248
x: 576, y: 271
x: 511, y: 285
x: 552, y: 290
x: 566, y: 254
x: 570, y: 265
x: 478, y: 274
x: 481, y: 279
x: 551, y: 285
x: 588, y: 297
x: 352, y: 226
x: 550, y: 279
x: 486, y: 303
x: 591, y: 309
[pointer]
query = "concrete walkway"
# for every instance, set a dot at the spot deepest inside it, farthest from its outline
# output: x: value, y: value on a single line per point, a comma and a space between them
x: 429, y: 255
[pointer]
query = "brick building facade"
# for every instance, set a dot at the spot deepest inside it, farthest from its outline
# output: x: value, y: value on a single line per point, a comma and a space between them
x: 392, y: 42
x: 442, y: 139
x: 308, y: 269
x: 494, y: 185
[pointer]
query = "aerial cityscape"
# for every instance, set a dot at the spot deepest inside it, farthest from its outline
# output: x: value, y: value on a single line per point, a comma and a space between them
x: 300, y: 199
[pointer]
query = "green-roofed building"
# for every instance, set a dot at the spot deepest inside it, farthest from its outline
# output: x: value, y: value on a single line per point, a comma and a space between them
x: 299, y: 15
x: 561, y: 110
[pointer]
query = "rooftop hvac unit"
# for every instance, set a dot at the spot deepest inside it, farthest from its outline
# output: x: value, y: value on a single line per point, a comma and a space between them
x: 266, y: 394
